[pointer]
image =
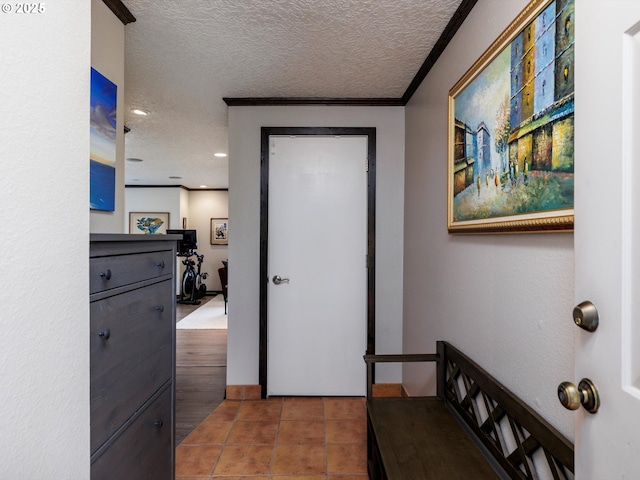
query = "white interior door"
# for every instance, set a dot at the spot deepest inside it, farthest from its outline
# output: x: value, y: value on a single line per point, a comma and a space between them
x: 318, y: 241
x: 607, y: 233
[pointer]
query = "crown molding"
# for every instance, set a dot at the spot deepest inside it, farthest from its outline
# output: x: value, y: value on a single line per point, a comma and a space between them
x: 261, y: 101
x: 450, y: 30
x: 120, y: 10
x: 180, y: 186
x: 448, y: 33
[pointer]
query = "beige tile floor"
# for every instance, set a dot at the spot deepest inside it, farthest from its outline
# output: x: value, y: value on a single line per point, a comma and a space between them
x: 280, y: 439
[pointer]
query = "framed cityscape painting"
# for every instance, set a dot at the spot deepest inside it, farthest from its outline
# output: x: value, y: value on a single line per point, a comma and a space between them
x: 511, y: 129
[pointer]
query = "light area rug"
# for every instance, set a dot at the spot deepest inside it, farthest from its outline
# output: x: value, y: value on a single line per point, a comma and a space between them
x: 209, y: 316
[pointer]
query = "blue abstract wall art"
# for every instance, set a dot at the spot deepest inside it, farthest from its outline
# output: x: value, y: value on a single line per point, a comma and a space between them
x: 102, y: 169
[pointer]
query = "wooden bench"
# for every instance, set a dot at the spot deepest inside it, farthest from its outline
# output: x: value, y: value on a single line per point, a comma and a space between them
x: 474, y: 428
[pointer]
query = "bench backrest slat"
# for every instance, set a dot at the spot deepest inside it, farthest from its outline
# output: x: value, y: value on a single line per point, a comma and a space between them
x: 530, y: 430
x: 517, y: 437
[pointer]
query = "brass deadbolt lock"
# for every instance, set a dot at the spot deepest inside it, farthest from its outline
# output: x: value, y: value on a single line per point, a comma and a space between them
x: 585, y: 394
x: 585, y: 315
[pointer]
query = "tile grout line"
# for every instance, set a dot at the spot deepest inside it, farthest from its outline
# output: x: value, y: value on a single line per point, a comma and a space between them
x: 275, y: 441
x: 345, y: 416
x: 226, y: 439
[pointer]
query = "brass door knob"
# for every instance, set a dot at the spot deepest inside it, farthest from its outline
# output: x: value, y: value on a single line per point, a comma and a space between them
x: 585, y: 394
x: 569, y: 396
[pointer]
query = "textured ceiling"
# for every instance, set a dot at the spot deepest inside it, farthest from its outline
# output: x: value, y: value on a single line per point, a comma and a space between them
x: 183, y: 57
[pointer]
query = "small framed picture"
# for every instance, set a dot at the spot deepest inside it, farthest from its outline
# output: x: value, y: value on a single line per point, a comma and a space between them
x: 219, y: 231
x: 148, y: 223
x: 184, y: 223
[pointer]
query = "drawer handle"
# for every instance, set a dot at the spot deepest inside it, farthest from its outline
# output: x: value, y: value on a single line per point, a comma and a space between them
x: 104, y: 334
x: 106, y: 275
x: 158, y: 423
x: 161, y: 264
x: 160, y: 308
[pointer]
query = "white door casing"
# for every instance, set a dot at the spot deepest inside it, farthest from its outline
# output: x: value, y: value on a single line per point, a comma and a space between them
x: 607, y: 243
x: 317, y: 322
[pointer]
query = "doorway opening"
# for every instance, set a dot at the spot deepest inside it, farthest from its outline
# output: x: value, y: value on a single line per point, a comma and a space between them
x: 201, y: 368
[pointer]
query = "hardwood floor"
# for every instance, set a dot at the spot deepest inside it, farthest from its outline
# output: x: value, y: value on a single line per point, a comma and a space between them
x: 201, y: 371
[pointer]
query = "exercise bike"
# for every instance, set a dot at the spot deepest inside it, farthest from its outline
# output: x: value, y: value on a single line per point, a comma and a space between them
x: 192, y: 287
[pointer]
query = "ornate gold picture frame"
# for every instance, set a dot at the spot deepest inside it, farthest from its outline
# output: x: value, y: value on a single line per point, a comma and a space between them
x: 511, y: 124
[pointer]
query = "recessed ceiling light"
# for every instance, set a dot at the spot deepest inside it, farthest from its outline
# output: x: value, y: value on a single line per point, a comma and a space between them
x: 203, y: 186
x: 139, y: 111
x: 219, y: 154
x: 134, y: 160
x: 174, y: 177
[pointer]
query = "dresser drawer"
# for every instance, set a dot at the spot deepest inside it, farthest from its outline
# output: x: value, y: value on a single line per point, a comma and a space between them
x: 144, y: 449
x: 110, y: 272
x: 131, y: 344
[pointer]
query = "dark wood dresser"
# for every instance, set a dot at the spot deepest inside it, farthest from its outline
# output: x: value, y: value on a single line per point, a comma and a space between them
x: 132, y: 355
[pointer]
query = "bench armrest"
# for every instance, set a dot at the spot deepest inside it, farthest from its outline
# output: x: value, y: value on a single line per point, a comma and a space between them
x: 371, y: 359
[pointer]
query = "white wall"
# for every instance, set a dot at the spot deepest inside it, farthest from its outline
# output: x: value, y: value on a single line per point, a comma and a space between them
x: 107, y: 57
x: 184, y: 206
x: 203, y: 206
x: 198, y: 207
x: 157, y: 200
x: 154, y: 200
x: 505, y: 300
x: 44, y: 213
x: 244, y: 213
